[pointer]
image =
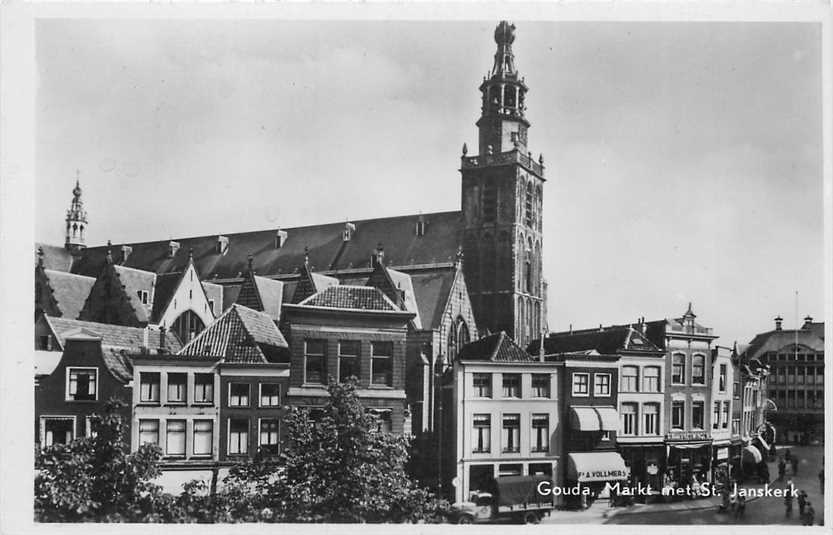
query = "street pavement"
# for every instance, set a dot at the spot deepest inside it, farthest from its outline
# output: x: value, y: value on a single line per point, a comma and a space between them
x: 762, y: 510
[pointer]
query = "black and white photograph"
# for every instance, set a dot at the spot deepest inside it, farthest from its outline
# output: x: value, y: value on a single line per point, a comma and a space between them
x: 472, y: 268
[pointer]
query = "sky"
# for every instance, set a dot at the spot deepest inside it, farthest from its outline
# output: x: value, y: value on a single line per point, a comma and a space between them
x: 684, y: 159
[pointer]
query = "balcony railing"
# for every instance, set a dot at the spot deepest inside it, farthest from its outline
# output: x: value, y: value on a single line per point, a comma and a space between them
x: 503, y: 158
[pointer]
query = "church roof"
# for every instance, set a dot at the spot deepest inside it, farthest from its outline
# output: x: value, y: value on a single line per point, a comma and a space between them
x: 118, y: 336
x: 166, y: 285
x: 70, y: 291
x: 134, y: 280
x: 215, y: 292
x: 326, y: 248
x: 55, y: 257
x: 241, y: 335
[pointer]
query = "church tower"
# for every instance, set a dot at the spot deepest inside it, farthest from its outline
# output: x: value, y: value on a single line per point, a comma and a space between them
x: 76, y: 221
x: 502, y: 199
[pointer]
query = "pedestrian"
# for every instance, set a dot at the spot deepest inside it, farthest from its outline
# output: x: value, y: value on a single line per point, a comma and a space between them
x: 741, y: 507
x: 802, y: 502
x: 788, y: 498
x: 782, y: 468
x: 809, y: 515
x: 794, y: 462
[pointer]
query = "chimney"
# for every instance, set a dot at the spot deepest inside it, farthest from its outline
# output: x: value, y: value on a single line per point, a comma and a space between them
x: 145, y: 341
x: 173, y: 247
x: 161, y: 337
x: 280, y: 238
x: 125, y: 253
x: 378, y: 257
x: 807, y: 321
x: 420, y: 226
x: 778, y: 322
x: 222, y: 245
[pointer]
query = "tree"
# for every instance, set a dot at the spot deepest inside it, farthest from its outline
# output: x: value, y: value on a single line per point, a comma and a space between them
x: 97, y: 478
x: 337, y: 467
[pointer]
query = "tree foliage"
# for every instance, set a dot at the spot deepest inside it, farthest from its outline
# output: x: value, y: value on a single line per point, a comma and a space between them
x: 97, y: 478
x: 337, y: 466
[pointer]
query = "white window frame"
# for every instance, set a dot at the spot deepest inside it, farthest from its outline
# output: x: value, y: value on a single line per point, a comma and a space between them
x: 520, y: 385
x: 228, y: 435
x: 548, y: 379
x: 259, y: 433
x: 158, y: 399
x: 194, y: 438
x: 702, y: 426
x: 357, y: 358
x: 683, y: 403
x: 474, y: 434
x: 504, y: 435
x: 596, y: 393
x: 168, y: 399
x: 158, y: 431
x: 203, y: 402
x: 260, y: 395
x: 248, y: 395
x: 184, y: 438
x: 69, y: 370
x: 46, y: 417
x: 534, y: 432
x: 636, y: 414
x: 388, y: 358
x: 636, y: 378
x: 685, y: 368
x: 702, y: 382
x: 573, y: 384
x: 323, y: 357
x: 645, y: 376
x: 657, y: 416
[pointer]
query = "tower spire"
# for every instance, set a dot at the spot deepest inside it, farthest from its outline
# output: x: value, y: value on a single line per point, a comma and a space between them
x: 76, y: 220
x: 502, y: 122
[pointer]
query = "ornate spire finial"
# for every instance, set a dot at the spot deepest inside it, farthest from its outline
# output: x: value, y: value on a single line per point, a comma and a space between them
x: 40, y: 256
x: 465, y: 149
x: 458, y: 262
x: 306, y: 255
x: 190, y: 254
x: 109, y: 257
x: 250, y: 260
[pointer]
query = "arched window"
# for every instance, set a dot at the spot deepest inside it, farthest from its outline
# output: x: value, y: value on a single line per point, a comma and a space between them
x: 463, y: 336
x: 529, y: 280
x: 187, y: 326
x: 458, y: 336
x: 488, y: 263
x: 489, y: 202
x: 530, y: 202
x: 539, y: 198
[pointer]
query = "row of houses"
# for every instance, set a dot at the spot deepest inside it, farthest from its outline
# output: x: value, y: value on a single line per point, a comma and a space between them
x: 649, y: 402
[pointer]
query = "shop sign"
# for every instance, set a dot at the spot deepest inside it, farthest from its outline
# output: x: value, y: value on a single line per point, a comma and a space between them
x: 722, y: 453
x: 687, y: 435
x: 652, y: 469
x: 614, y: 474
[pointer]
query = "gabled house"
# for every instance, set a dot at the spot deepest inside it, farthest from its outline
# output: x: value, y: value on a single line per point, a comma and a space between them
x: 504, y: 415
x: 347, y: 331
x: 59, y: 293
x: 94, y: 366
x: 640, y: 405
x: 219, y: 398
x: 177, y: 301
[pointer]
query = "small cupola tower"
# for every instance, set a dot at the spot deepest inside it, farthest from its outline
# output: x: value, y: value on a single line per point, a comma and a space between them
x: 502, y: 124
x: 76, y: 220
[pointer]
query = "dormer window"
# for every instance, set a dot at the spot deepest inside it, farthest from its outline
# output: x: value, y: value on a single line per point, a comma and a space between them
x: 280, y: 238
x: 347, y: 233
x: 143, y: 296
x: 222, y: 245
x: 420, y: 227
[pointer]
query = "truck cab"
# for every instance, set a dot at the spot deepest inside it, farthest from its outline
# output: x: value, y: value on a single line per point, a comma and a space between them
x: 517, y: 499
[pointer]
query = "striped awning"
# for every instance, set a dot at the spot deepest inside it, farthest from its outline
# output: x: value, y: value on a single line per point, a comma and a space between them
x: 584, y: 419
x: 752, y: 454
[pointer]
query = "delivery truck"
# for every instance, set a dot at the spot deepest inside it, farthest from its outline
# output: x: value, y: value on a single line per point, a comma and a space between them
x: 515, y: 498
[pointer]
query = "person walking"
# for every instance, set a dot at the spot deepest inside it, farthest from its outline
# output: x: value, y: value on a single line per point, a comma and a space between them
x: 788, y: 499
x: 782, y: 468
x: 802, y: 502
x: 809, y: 515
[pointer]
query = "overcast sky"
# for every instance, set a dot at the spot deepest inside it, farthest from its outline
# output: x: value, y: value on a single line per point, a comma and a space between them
x: 684, y: 160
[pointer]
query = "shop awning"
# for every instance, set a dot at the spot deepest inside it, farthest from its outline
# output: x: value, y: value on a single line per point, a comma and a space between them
x: 609, y: 417
x: 584, y: 419
x: 596, y: 466
x: 752, y: 454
